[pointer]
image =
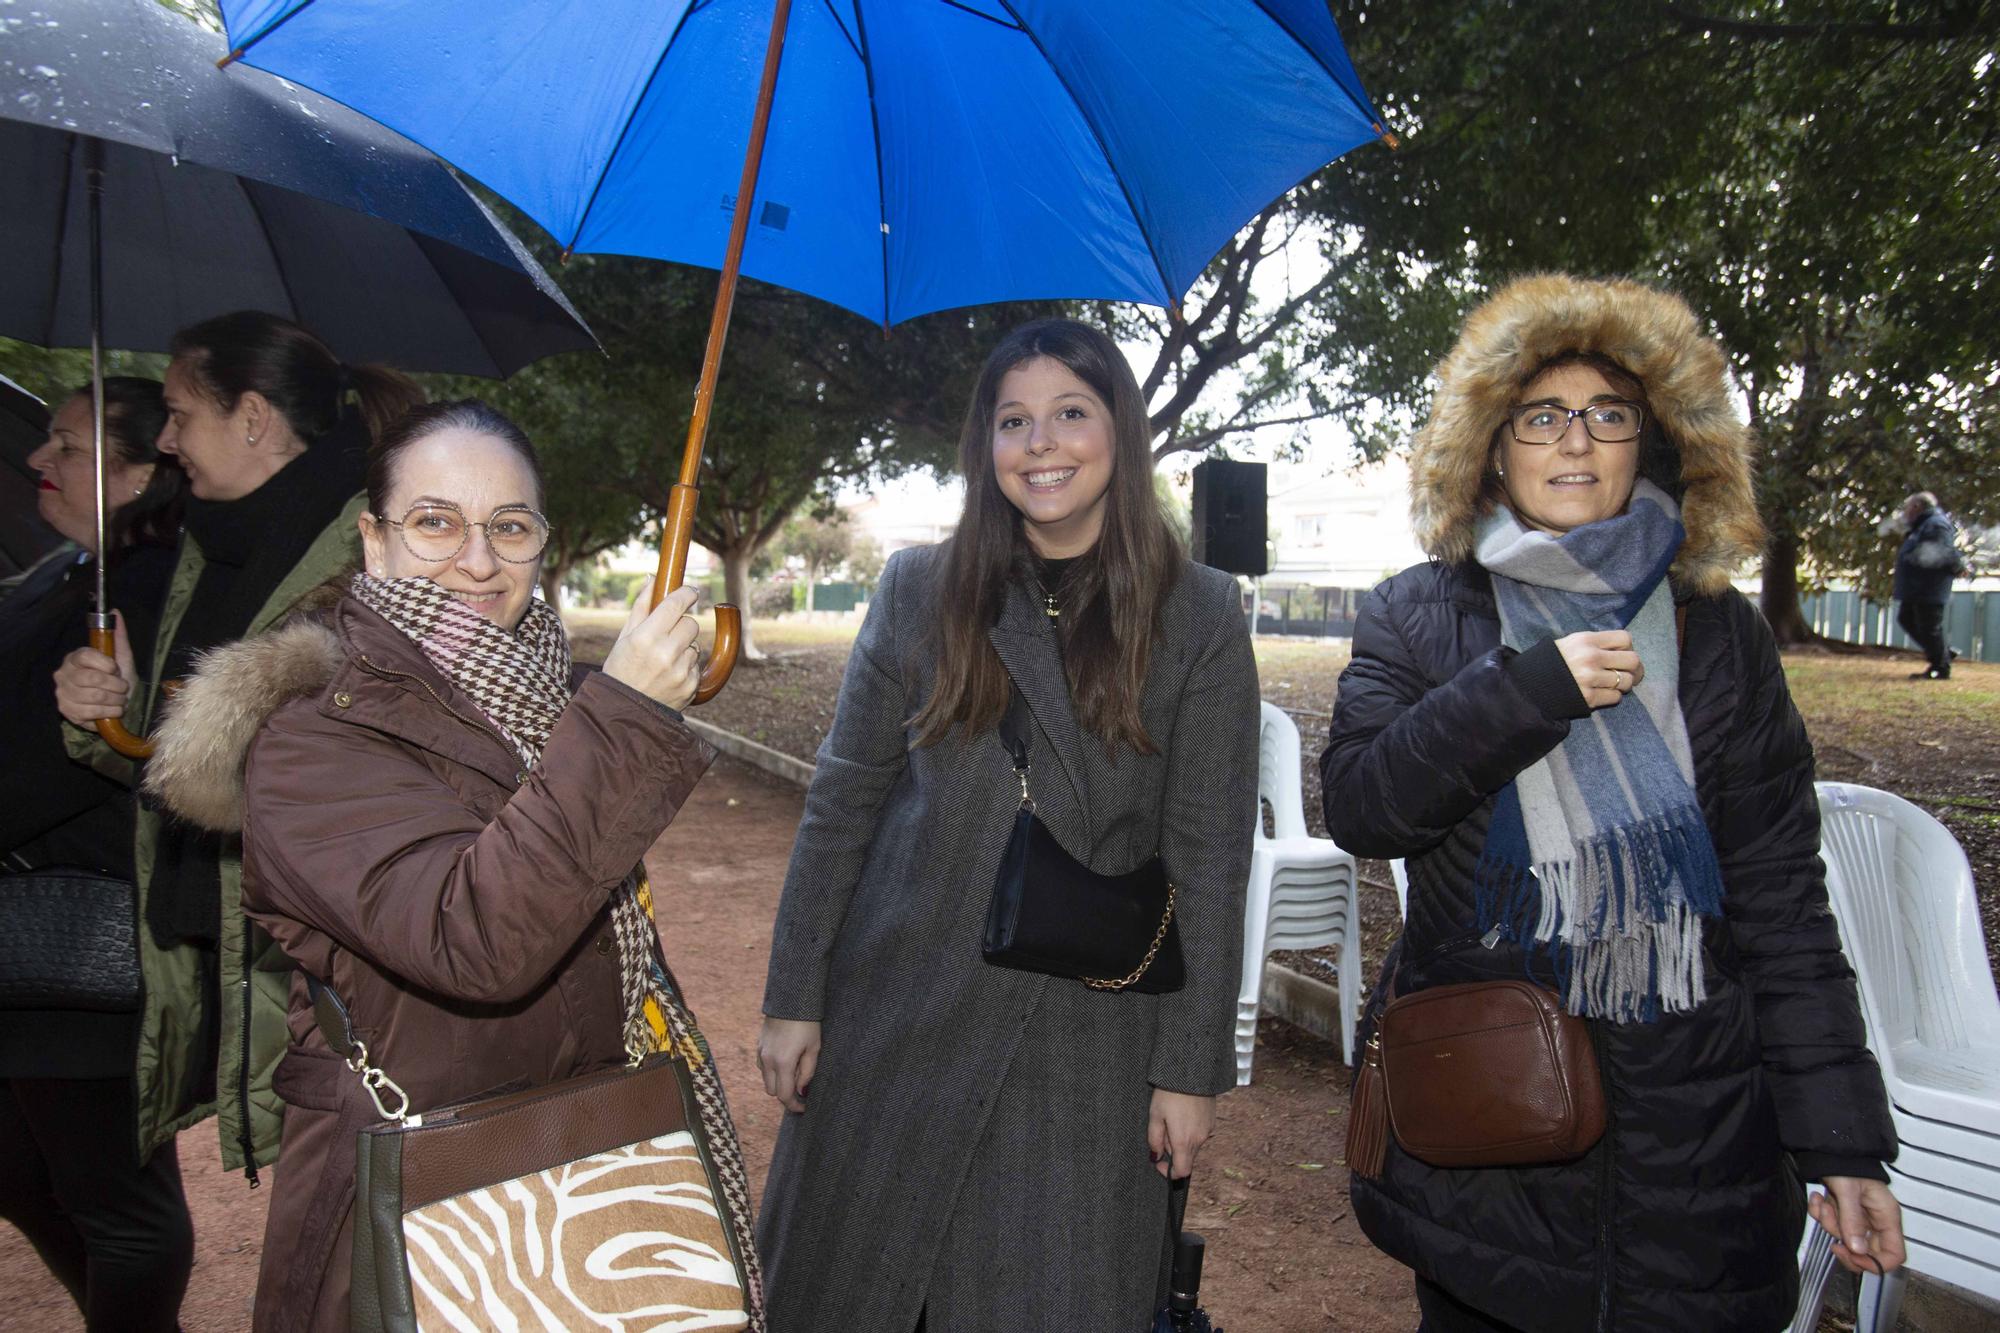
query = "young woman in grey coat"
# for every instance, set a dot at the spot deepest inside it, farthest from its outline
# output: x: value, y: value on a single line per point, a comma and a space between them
x: 971, y: 1147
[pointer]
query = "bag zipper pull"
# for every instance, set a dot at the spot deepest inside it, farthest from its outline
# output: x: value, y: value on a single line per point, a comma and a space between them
x: 1490, y: 938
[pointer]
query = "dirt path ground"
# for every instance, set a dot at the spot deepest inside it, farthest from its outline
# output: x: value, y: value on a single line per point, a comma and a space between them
x: 1284, y: 1254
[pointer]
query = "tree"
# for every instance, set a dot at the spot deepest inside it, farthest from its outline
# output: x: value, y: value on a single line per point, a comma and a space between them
x: 1819, y: 180
x: 865, y: 561
x: 51, y: 373
x: 820, y: 540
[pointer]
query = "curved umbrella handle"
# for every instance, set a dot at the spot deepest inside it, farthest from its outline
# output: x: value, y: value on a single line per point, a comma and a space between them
x: 103, y: 640
x: 672, y: 573
x: 722, y: 661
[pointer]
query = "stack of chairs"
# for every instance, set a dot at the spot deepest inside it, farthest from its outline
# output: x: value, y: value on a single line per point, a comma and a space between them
x: 1903, y: 893
x: 1303, y: 892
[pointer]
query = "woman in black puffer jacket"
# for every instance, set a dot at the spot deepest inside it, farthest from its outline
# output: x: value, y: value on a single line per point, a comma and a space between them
x: 1582, y: 441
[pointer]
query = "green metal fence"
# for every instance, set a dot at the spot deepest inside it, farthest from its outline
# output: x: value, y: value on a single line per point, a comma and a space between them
x: 1971, y: 621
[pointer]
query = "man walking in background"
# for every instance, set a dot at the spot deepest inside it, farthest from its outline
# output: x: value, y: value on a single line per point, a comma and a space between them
x: 1925, y: 566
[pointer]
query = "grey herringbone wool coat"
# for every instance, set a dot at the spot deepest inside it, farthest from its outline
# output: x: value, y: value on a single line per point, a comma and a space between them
x: 974, y: 1143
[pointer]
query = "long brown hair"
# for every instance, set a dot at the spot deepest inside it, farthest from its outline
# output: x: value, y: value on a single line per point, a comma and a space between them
x: 1113, y: 594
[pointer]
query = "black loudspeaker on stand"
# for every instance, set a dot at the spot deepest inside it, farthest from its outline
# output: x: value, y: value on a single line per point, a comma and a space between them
x: 1230, y: 527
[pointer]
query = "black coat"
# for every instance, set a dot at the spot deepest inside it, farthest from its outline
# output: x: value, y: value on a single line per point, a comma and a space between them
x: 1927, y: 560
x: 53, y: 810
x: 1687, y: 1215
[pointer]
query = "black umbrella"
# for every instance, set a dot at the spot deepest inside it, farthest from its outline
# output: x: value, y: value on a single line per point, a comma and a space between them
x: 148, y: 190
x: 240, y: 191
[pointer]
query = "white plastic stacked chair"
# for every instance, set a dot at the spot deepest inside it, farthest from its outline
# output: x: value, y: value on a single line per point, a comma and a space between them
x: 1903, y: 893
x: 1302, y: 892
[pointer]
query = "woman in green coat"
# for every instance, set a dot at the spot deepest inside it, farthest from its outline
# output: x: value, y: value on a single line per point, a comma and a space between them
x: 272, y: 430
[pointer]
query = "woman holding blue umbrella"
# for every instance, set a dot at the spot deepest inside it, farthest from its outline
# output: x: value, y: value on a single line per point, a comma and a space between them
x: 969, y: 1144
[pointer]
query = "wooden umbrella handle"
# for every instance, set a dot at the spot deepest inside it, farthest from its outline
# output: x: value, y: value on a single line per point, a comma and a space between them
x: 103, y: 639
x: 721, y: 661
x: 674, y: 542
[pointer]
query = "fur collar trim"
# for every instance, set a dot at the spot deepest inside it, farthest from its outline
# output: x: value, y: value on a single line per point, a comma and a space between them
x: 200, y: 747
x: 1651, y: 333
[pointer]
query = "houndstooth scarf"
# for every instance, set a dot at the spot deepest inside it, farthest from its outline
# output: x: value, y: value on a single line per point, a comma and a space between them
x: 1598, y: 856
x: 520, y: 680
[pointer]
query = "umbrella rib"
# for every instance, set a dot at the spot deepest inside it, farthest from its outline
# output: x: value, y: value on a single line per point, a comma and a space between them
x: 834, y: 14
x: 625, y: 130
x: 978, y: 14
x: 62, y: 232
x: 875, y: 128
x: 236, y: 52
x: 1374, y: 117
x: 271, y: 244
x: 1131, y: 205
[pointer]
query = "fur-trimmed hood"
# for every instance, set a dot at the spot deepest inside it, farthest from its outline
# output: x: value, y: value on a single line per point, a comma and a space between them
x: 209, y: 719
x: 1651, y: 333
x: 200, y: 747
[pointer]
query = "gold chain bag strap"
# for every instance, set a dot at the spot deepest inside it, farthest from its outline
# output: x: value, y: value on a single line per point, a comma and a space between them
x: 1051, y: 913
x: 613, y: 1200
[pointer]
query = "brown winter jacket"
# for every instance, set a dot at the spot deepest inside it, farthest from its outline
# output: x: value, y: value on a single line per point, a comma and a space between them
x: 393, y: 847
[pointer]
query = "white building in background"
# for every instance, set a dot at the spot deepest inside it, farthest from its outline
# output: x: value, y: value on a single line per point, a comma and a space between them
x: 1346, y: 529
x: 917, y: 509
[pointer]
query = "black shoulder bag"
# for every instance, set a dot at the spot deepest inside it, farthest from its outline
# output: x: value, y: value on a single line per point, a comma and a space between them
x: 69, y: 939
x: 1053, y: 914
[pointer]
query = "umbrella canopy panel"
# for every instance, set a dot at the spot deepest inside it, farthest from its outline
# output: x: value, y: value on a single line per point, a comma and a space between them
x: 233, y: 191
x: 923, y: 154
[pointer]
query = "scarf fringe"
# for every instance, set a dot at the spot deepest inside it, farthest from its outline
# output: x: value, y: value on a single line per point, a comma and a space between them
x: 1620, y: 919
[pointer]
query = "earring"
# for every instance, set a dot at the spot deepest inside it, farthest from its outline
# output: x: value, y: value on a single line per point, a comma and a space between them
x: 138, y: 491
x: 250, y: 440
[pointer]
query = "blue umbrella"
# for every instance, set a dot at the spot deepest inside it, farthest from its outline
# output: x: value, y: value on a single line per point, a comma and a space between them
x: 922, y: 154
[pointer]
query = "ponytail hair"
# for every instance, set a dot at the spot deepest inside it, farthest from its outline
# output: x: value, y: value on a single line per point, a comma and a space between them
x: 254, y: 351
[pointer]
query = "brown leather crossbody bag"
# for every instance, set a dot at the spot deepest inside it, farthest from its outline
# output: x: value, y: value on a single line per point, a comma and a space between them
x: 1489, y: 1073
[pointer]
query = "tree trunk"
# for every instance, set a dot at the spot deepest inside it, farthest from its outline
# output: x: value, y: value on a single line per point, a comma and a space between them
x: 553, y: 574
x: 810, y: 580
x: 1779, y: 597
x: 736, y: 590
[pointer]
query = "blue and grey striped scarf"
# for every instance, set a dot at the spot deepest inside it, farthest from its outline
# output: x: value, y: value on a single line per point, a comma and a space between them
x: 1598, y: 859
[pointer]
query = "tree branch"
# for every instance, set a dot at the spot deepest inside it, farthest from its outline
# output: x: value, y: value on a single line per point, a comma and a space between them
x: 1201, y: 439
x: 1964, y: 23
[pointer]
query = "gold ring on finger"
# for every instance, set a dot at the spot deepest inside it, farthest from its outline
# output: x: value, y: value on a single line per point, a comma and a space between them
x: 1620, y: 687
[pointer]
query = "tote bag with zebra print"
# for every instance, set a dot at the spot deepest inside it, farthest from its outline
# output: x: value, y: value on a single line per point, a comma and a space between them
x: 601, y: 1201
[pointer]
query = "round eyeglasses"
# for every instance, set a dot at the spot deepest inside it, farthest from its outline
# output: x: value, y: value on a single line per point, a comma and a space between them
x: 1614, y: 422
x: 435, y: 531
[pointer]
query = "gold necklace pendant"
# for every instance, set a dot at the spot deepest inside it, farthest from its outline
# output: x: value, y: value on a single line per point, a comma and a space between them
x: 1049, y: 606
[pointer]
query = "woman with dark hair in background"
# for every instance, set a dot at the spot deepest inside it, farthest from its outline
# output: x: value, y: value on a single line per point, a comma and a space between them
x: 110, y: 1222
x: 1580, y: 737
x: 273, y: 431
x: 969, y: 1146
